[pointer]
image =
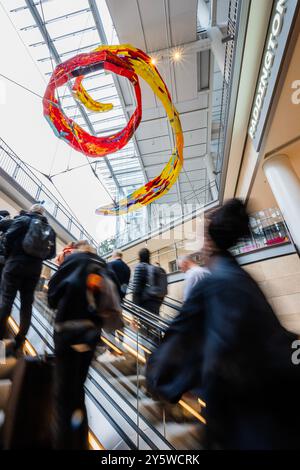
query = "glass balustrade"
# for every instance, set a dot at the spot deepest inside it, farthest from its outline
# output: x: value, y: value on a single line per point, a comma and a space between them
x: 13, y: 166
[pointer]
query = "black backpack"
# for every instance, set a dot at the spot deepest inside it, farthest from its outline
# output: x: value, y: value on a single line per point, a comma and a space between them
x: 157, y: 285
x: 39, y: 239
x: 2, y: 248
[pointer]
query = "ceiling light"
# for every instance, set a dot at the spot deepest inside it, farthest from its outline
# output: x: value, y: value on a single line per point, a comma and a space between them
x: 153, y: 61
x: 177, y: 55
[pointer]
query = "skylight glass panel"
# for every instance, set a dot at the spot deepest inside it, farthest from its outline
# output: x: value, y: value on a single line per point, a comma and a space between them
x: 72, y: 30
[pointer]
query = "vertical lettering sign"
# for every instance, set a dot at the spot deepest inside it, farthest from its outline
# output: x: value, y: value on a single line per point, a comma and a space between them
x: 281, y: 21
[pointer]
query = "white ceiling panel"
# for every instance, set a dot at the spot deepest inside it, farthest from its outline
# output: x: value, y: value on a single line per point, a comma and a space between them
x: 186, y: 77
x: 148, y: 25
x: 198, y: 136
x: 183, y: 13
x: 157, y: 144
x: 127, y: 21
x: 148, y: 97
x: 192, y: 176
x: 158, y: 159
x: 152, y: 129
x: 194, y: 151
x: 191, y: 105
x: 154, y: 21
x: 193, y: 164
x: 194, y: 120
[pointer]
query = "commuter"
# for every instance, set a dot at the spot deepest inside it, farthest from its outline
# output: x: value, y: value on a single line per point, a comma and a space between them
x: 77, y: 291
x: 121, y: 270
x: 67, y: 250
x: 161, y: 282
x: 149, y: 283
x: 228, y: 347
x: 5, y: 223
x: 4, y: 216
x: 193, y: 273
x: 70, y: 248
x: 29, y: 240
x: 140, y: 277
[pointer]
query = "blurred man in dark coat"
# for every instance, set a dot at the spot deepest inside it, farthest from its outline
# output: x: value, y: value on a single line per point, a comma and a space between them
x: 121, y: 270
x: 228, y: 346
x: 22, y: 270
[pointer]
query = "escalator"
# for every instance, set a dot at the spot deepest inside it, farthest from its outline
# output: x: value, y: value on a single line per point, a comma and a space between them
x: 121, y: 413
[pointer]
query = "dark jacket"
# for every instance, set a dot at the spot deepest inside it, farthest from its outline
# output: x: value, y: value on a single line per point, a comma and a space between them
x: 228, y: 346
x: 140, y: 279
x: 67, y: 287
x: 5, y: 225
x: 122, y: 273
x: 15, y: 236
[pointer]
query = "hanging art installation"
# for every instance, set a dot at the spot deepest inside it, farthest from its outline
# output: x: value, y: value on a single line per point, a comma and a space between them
x: 132, y: 63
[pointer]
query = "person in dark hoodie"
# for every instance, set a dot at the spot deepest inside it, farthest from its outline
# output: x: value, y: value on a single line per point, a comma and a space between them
x: 76, y: 295
x: 229, y: 348
x: 5, y: 223
x: 28, y: 241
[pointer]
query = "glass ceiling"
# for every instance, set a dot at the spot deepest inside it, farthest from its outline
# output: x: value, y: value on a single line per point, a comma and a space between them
x: 86, y: 24
x: 56, y: 30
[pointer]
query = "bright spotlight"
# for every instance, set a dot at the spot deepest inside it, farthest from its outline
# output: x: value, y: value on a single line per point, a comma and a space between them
x: 177, y: 55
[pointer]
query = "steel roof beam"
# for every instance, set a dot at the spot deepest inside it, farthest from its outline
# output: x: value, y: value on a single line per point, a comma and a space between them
x: 25, y: 7
x: 103, y: 38
x: 58, y: 18
x: 64, y: 36
x: 63, y: 54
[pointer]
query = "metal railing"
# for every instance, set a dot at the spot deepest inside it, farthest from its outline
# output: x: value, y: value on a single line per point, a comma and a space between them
x: 267, y: 229
x: 232, y: 25
x: 165, y: 219
x: 11, y: 164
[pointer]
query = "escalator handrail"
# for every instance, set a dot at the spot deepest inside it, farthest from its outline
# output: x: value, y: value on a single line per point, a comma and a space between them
x: 167, y: 303
x: 129, y: 420
x: 98, y: 405
x: 171, y: 300
x: 145, y: 315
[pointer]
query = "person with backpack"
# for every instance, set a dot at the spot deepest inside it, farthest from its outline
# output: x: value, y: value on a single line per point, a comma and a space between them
x: 160, y: 283
x: 28, y: 241
x: 86, y: 299
x: 5, y: 223
x: 150, y: 284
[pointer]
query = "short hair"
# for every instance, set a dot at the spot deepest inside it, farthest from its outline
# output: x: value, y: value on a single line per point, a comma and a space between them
x: 80, y: 244
x: 118, y: 254
x: 37, y: 209
x: 84, y: 246
x: 4, y: 213
x: 189, y: 257
x: 144, y: 255
x: 228, y: 224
